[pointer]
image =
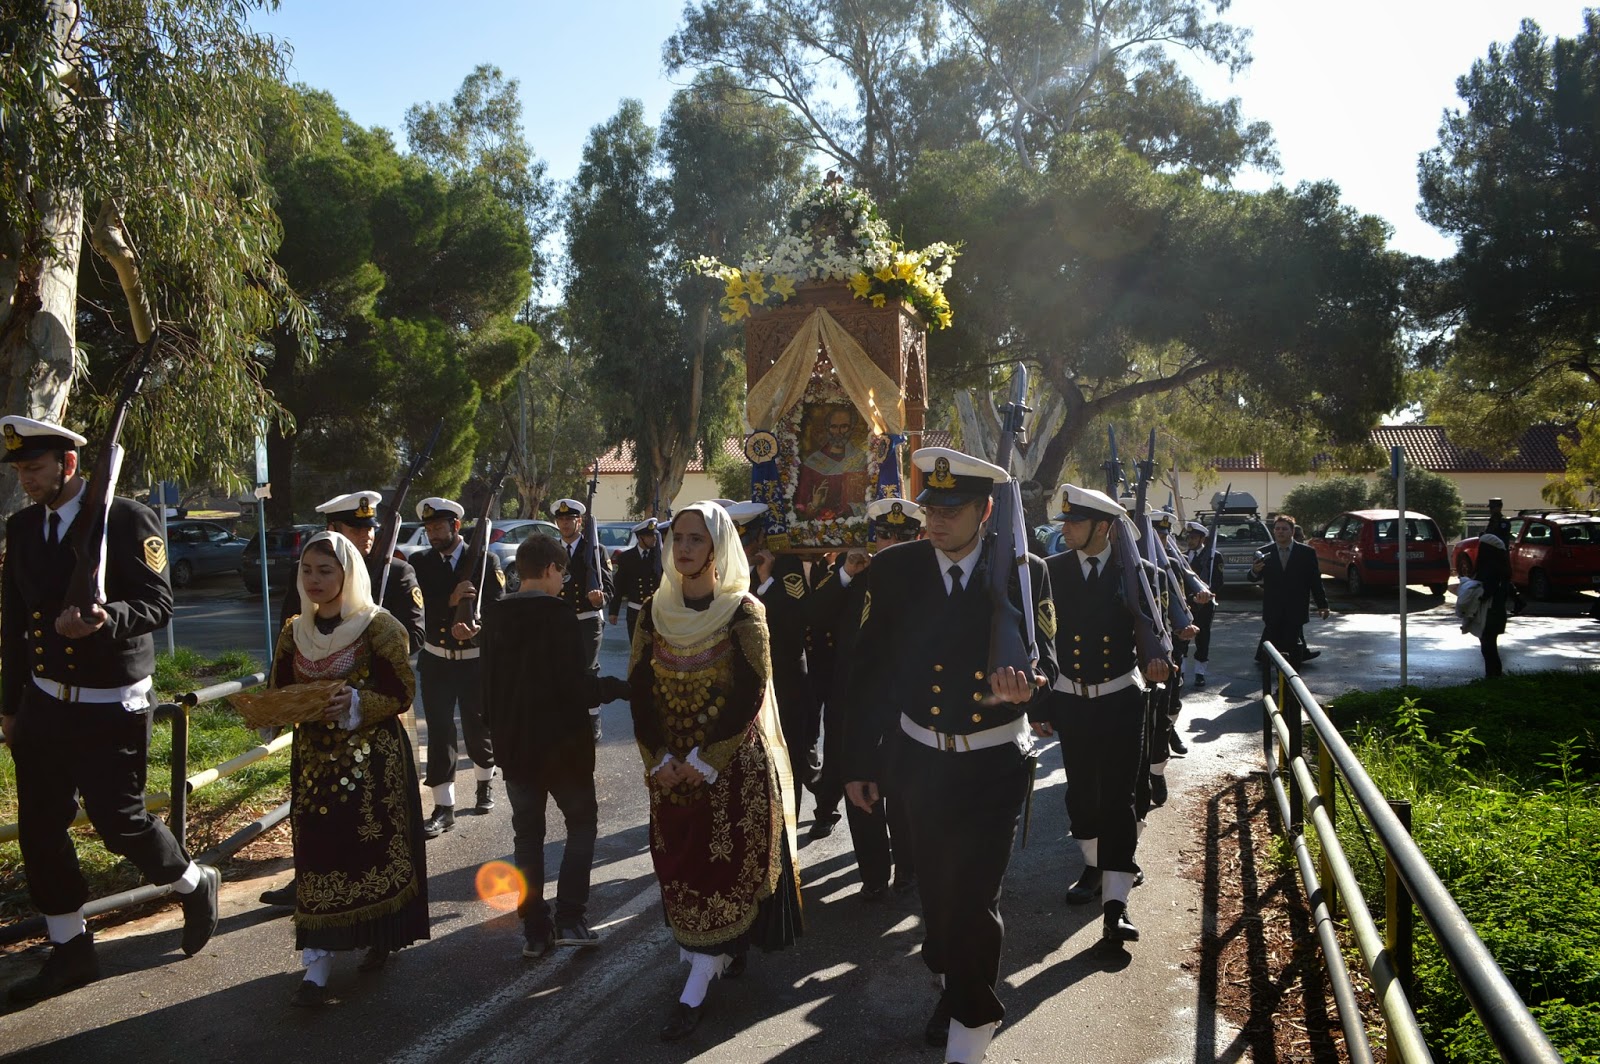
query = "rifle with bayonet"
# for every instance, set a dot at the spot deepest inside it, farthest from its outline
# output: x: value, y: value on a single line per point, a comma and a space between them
x: 591, y: 535
x: 1011, y: 633
x: 1146, y: 472
x: 389, y: 531
x: 476, y: 559
x: 1113, y: 465
x: 86, y: 588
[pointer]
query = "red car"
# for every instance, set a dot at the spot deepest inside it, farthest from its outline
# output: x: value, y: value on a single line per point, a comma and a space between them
x: 1361, y: 548
x: 1551, y: 550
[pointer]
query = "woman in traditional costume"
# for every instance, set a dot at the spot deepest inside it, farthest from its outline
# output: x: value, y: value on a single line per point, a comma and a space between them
x: 360, y: 880
x: 722, y: 835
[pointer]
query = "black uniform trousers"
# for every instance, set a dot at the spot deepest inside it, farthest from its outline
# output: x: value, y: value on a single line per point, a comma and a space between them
x: 881, y: 839
x: 964, y: 808
x: 1203, y: 616
x: 96, y: 750
x: 829, y: 788
x: 632, y: 617
x: 447, y: 684
x: 1102, y: 748
x: 594, y: 630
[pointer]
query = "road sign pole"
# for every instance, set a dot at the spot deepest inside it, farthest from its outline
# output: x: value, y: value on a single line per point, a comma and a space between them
x: 1397, y: 458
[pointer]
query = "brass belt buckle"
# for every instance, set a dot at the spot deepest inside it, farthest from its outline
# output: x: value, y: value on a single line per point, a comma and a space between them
x: 950, y: 744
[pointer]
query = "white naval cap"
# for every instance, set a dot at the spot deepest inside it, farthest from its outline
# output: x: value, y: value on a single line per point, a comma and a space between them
x: 568, y: 508
x: 433, y: 507
x: 356, y: 509
x: 954, y: 478
x: 745, y: 512
x: 27, y: 437
x: 886, y: 510
x: 1196, y: 526
x: 649, y: 524
x: 1086, y: 504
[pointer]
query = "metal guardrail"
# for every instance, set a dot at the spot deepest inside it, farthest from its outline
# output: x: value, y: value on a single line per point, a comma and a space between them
x: 1408, y: 878
x: 177, y: 802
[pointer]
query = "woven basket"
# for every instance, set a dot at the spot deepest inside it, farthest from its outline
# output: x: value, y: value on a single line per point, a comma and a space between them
x: 295, y: 704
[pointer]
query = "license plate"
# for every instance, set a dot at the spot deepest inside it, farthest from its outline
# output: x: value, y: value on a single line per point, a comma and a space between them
x: 1413, y: 555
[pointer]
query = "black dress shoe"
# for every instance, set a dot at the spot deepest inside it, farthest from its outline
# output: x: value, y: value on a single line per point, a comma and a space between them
x: 375, y: 959
x: 71, y: 964
x: 1175, y: 742
x: 682, y: 1022
x: 736, y: 967
x: 1138, y: 876
x: 309, y: 995
x: 1309, y: 654
x: 937, y: 1031
x: 821, y: 827
x: 1086, y: 889
x: 200, y: 911
x: 485, y: 796
x: 284, y: 895
x: 873, y: 895
x: 594, y: 726
x: 443, y: 819
x: 905, y: 884
x: 1158, y: 790
x: 1200, y: 680
x: 1116, y: 926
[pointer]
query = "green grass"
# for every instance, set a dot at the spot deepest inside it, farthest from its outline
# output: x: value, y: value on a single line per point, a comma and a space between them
x: 215, y: 811
x: 1499, y: 777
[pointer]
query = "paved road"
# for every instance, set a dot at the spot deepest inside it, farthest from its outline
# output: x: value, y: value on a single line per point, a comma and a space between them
x: 853, y: 989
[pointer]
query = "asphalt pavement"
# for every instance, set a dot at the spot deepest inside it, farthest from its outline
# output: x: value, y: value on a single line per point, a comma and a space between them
x: 852, y: 989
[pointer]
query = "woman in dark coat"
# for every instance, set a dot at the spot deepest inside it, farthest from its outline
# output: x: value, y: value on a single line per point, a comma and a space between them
x: 1494, y: 573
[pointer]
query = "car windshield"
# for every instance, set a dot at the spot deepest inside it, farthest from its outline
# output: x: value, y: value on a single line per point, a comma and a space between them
x: 614, y: 535
x: 1242, y: 530
x: 1418, y: 530
x: 1581, y: 534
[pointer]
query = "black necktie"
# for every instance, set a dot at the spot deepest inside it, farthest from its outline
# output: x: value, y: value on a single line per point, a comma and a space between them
x: 1094, y: 572
x: 955, y: 579
x: 54, y: 537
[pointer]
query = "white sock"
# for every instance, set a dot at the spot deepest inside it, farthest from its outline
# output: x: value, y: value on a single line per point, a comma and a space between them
x: 481, y: 774
x: 444, y: 794
x: 594, y: 711
x: 318, y: 964
x: 702, y: 969
x: 1199, y: 668
x: 1091, y: 851
x: 1158, y: 769
x: 969, y: 1044
x: 1116, y: 886
x: 66, y: 926
x: 186, y: 883
x: 1138, y: 829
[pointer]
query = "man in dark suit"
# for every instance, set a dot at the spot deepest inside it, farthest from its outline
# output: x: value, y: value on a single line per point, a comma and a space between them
x: 449, y: 670
x: 75, y: 700
x: 637, y: 574
x: 355, y: 517
x: 1110, y: 650
x: 589, y: 603
x: 1288, y: 574
x: 1207, y: 564
x: 928, y: 721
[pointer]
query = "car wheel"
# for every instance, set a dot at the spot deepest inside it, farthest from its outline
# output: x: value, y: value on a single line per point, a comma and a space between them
x: 182, y: 573
x: 1353, y: 582
x: 1464, y: 566
x: 1539, y: 586
x: 1436, y: 589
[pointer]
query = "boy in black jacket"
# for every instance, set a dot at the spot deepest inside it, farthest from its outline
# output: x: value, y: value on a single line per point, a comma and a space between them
x: 538, y: 691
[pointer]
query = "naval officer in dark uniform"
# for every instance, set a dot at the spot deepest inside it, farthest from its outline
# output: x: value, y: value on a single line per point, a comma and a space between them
x: 448, y: 669
x: 637, y: 573
x: 1206, y: 563
x: 928, y: 720
x: 355, y: 517
x: 75, y: 701
x: 1109, y: 648
x: 589, y: 605
x: 779, y: 581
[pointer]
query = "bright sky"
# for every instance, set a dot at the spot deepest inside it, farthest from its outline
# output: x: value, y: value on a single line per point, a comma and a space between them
x: 1353, y: 91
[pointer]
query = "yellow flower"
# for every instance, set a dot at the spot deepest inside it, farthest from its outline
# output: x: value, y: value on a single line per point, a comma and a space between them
x: 879, y: 299
x: 736, y: 287
x: 906, y: 266
x: 884, y: 274
x: 758, y: 294
x: 783, y: 286
x: 860, y: 285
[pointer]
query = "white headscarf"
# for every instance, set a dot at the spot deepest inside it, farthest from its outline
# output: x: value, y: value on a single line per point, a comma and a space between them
x: 356, y: 608
x: 1491, y: 540
x: 673, y: 619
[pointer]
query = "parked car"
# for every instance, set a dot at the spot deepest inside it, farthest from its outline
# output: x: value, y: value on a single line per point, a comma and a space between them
x: 283, y: 551
x: 1362, y: 548
x: 615, y: 536
x: 509, y: 535
x: 1551, y: 550
x: 201, y: 548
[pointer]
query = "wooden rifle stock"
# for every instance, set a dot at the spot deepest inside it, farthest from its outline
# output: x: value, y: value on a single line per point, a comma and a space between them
x: 389, y: 532
x: 477, y: 556
x: 86, y: 588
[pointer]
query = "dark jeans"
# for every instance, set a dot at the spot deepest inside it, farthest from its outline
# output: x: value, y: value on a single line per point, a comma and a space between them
x: 964, y: 809
x: 1102, y: 748
x: 97, y: 751
x: 1491, y: 655
x: 575, y: 797
x: 445, y: 685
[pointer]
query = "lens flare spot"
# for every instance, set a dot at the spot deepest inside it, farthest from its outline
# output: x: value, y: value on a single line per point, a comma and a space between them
x: 501, y: 886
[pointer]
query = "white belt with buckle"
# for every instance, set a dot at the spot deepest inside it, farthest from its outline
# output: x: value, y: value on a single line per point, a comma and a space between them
x: 1095, y: 690
x: 134, y: 696
x: 453, y: 655
x: 1015, y: 732
x: 586, y: 615
x: 635, y: 605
